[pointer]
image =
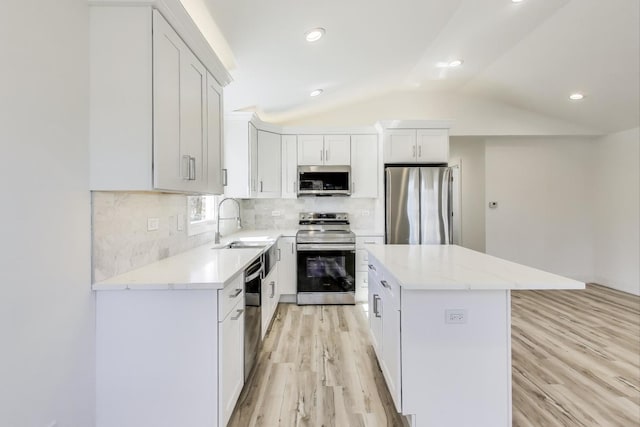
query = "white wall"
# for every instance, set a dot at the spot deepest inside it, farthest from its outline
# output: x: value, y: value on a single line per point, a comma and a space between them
x: 46, y: 307
x: 544, y: 191
x: 616, y: 209
x: 470, y: 151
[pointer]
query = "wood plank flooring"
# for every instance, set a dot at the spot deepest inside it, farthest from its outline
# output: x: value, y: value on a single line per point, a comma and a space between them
x: 576, y: 362
x: 576, y: 358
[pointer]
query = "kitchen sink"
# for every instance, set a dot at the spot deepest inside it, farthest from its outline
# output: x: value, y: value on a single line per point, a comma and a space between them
x: 243, y: 244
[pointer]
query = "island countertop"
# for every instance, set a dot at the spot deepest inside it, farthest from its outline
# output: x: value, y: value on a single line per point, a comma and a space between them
x: 452, y: 267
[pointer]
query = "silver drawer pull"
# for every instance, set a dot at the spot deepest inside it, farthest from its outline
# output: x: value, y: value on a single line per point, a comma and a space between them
x: 385, y: 284
x: 239, y: 314
x: 238, y: 292
x: 372, y: 267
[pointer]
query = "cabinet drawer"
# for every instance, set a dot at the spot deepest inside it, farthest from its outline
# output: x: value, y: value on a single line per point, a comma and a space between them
x: 232, y: 293
x: 391, y: 291
x: 362, y: 256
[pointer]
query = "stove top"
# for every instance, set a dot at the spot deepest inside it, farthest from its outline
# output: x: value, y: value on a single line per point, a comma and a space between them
x: 324, y: 227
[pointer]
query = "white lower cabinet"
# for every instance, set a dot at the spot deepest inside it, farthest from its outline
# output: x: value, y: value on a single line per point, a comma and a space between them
x: 167, y: 358
x: 384, y: 321
x: 287, y: 267
x: 231, y: 360
x: 362, y: 263
x: 270, y: 297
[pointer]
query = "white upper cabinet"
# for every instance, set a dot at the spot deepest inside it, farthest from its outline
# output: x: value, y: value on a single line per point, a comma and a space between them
x: 155, y: 110
x: 289, y: 166
x: 269, y: 168
x: 252, y: 157
x: 433, y: 145
x: 318, y: 150
x: 364, y: 166
x: 337, y: 150
x: 416, y: 145
x: 399, y: 145
x: 310, y: 150
x: 214, y: 134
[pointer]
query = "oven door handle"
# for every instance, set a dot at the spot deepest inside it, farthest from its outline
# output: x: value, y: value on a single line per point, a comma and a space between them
x: 324, y: 247
x: 253, y: 275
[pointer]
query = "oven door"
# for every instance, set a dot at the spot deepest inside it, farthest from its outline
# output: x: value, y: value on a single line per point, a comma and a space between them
x: 326, y: 268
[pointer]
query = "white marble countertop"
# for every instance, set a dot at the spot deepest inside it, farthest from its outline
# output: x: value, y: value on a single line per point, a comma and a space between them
x: 359, y: 232
x: 452, y: 267
x: 209, y: 266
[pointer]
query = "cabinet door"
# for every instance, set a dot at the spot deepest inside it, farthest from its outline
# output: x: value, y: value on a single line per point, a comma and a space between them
x: 400, y: 146
x: 193, y: 87
x: 310, y: 150
x: 230, y: 361
x: 337, y: 150
x: 289, y: 166
x: 269, y: 171
x: 215, y: 153
x: 391, y: 340
x: 375, y: 311
x: 364, y: 166
x: 167, y: 164
x: 253, y: 160
x: 269, y: 302
x: 287, y: 267
x: 433, y: 145
x: 362, y: 288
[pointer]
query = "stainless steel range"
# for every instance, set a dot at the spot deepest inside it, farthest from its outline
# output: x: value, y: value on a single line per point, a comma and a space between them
x: 326, y: 249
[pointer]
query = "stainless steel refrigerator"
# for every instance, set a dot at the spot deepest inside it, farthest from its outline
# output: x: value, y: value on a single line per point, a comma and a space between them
x: 418, y: 205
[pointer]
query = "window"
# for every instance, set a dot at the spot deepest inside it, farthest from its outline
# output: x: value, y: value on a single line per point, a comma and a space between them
x: 201, y: 212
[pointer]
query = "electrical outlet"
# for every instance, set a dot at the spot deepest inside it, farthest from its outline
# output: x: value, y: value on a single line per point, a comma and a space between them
x: 180, y: 222
x: 276, y: 213
x: 153, y: 224
x: 456, y: 316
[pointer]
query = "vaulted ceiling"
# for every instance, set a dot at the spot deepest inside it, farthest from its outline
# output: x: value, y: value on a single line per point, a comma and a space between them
x: 531, y: 55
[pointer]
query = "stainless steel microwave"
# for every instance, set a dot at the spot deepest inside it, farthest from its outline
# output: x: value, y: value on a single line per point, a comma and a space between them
x: 324, y: 180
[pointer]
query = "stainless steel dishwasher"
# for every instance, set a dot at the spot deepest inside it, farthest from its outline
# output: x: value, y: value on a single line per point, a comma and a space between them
x: 253, y: 313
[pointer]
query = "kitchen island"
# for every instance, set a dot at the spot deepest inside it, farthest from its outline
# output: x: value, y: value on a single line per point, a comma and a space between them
x: 440, y: 320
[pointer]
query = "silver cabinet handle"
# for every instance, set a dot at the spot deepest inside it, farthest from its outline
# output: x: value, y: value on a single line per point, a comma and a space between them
x: 186, y: 166
x: 273, y: 289
x: 321, y: 155
x: 385, y: 284
x: 413, y: 153
x: 369, y: 243
x: 224, y: 177
x: 239, y: 314
x: 238, y: 292
x: 326, y: 157
x: 294, y: 186
x: 192, y: 168
x: 419, y: 150
x: 292, y: 247
x: 372, y: 267
x: 261, y: 186
x: 279, y: 254
x: 375, y: 306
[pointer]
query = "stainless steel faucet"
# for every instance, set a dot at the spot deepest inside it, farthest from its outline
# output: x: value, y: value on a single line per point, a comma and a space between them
x: 217, y: 236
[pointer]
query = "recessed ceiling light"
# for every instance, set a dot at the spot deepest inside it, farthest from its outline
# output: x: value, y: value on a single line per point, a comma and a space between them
x: 516, y: 1
x: 455, y: 63
x: 576, y: 96
x: 316, y: 92
x: 314, y: 34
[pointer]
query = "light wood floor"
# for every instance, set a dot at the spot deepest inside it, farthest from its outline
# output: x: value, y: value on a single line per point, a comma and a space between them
x: 576, y: 358
x: 576, y: 362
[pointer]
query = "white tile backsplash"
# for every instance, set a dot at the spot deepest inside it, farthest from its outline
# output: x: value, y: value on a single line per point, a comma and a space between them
x: 121, y: 241
x: 259, y: 213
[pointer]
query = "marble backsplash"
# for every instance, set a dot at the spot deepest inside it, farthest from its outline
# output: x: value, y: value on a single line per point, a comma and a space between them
x: 121, y: 241
x: 280, y: 214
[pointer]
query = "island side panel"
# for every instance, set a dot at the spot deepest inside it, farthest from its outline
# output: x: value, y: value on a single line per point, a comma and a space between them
x: 156, y: 358
x: 456, y: 374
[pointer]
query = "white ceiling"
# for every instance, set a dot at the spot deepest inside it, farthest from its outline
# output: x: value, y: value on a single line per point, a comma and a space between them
x: 531, y: 55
